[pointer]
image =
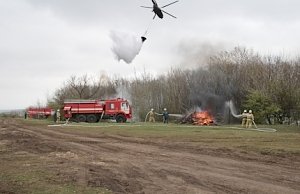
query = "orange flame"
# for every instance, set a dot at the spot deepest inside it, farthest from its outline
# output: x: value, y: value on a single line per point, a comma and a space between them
x: 202, y: 118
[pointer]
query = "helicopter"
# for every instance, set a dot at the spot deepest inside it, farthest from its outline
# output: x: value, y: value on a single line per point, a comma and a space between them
x: 158, y: 10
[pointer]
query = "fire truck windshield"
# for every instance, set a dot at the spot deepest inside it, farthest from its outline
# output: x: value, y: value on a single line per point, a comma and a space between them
x: 125, y: 106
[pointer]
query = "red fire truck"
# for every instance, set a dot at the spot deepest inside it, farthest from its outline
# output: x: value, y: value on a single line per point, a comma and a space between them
x: 95, y: 110
x: 39, y: 112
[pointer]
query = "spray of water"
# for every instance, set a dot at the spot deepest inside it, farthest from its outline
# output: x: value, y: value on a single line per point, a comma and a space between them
x: 126, y: 46
x: 232, y: 108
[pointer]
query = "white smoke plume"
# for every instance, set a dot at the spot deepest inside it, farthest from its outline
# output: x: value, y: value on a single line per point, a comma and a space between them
x: 126, y: 46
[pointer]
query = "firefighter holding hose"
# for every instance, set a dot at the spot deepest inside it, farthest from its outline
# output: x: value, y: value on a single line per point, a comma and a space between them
x: 244, y: 118
x: 250, y: 119
x: 165, y: 116
x: 151, y: 116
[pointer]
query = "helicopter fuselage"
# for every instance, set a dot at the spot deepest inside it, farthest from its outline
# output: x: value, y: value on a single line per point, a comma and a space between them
x: 158, y: 11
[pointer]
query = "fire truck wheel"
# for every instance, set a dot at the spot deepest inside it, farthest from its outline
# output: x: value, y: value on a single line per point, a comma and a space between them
x: 91, y: 118
x: 81, y: 118
x: 121, y: 119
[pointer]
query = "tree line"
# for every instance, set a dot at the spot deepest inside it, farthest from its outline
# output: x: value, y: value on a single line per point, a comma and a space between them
x: 268, y: 85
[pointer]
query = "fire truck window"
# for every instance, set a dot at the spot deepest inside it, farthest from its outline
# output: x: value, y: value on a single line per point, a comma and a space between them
x: 124, y: 106
x: 112, y: 106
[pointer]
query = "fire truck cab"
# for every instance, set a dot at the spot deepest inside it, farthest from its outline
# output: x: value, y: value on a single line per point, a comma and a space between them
x: 95, y: 110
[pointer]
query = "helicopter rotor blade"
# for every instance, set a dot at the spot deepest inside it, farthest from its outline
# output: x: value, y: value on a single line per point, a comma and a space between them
x: 169, y: 4
x: 169, y: 14
x: 147, y: 7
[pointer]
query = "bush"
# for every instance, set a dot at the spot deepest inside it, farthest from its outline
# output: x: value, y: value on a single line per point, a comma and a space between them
x: 261, y: 105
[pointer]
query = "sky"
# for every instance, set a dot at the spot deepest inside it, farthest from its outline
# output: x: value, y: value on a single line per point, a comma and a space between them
x: 44, y: 42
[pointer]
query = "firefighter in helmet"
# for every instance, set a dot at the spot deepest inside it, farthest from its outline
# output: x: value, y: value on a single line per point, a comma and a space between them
x: 250, y: 119
x: 244, y: 118
x: 165, y: 116
x: 58, y: 115
x: 55, y: 116
x: 151, y: 116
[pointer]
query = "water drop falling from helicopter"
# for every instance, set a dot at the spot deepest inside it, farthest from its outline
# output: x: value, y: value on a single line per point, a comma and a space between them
x: 126, y: 46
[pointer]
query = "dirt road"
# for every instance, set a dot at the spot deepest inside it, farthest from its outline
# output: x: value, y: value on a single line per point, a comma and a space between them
x: 147, y: 165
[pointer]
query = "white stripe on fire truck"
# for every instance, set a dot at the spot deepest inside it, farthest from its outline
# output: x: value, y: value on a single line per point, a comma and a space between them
x: 87, y: 109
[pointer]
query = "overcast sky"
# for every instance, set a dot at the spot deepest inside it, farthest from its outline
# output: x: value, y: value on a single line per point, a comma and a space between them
x: 44, y: 42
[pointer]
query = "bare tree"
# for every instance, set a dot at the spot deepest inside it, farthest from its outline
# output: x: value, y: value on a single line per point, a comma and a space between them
x: 228, y: 75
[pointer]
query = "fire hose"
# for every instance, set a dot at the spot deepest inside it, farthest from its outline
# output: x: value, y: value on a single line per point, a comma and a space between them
x: 255, y: 129
x: 254, y: 124
x: 263, y: 129
x: 149, y: 113
x: 174, y: 115
x: 147, y: 116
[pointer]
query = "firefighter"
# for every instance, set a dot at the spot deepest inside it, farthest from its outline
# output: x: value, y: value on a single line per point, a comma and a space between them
x: 250, y: 119
x: 244, y: 118
x: 57, y: 116
x: 151, y: 114
x: 69, y: 113
x: 165, y: 116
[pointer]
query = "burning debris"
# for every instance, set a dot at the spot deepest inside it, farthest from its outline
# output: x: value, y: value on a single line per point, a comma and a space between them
x: 202, y: 118
x: 199, y: 117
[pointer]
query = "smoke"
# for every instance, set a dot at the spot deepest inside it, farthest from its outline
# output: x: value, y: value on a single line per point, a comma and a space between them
x: 195, y: 53
x: 123, y: 91
x: 126, y: 46
x: 207, y: 101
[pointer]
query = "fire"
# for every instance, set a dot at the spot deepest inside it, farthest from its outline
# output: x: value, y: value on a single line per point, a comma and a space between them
x: 202, y: 118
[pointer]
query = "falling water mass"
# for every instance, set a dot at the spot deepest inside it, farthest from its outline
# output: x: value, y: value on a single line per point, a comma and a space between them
x: 126, y: 46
